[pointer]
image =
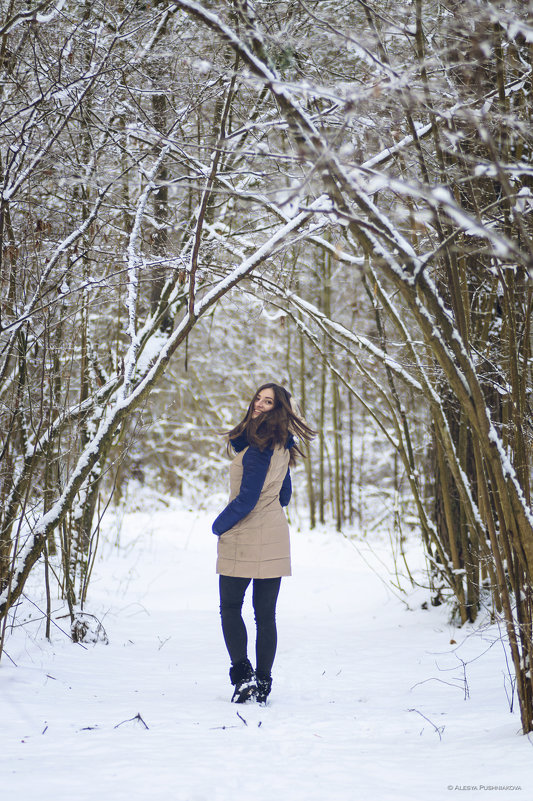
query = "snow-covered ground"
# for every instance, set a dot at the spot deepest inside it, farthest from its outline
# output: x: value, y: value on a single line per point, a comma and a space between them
x: 371, y: 697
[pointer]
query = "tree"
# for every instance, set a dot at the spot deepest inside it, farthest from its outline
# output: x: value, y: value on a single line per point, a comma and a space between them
x: 465, y: 246
x: 94, y: 304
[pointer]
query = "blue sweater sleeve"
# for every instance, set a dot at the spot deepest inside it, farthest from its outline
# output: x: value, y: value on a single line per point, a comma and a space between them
x: 255, y: 464
x: 239, y: 443
x: 286, y: 489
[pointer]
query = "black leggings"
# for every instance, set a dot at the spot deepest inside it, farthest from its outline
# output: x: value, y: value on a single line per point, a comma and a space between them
x: 264, y: 598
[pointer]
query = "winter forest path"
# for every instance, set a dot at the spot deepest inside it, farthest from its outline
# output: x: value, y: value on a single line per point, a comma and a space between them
x: 370, y: 698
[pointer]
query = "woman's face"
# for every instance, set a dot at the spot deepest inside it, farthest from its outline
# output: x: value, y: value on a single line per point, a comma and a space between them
x: 264, y: 401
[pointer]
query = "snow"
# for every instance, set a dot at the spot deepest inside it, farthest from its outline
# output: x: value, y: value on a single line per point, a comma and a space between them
x: 42, y: 18
x: 371, y: 698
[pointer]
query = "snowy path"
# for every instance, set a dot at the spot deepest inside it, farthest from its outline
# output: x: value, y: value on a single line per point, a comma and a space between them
x: 368, y: 699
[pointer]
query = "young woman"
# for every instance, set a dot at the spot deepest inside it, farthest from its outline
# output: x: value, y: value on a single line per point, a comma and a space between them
x: 254, y: 534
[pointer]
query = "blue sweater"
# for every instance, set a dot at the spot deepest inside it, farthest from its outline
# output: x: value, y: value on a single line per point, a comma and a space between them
x: 255, y: 464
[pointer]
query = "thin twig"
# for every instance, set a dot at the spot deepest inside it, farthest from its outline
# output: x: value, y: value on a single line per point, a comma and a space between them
x: 132, y: 720
x: 438, y: 729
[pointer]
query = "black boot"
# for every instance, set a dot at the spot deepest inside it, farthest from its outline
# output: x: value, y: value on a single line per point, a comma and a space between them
x: 243, y: 678
x: 264, y: 685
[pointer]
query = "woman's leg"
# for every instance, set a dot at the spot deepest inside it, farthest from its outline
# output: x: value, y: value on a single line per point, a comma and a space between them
x: 265, y: 596
x: 232, y: 591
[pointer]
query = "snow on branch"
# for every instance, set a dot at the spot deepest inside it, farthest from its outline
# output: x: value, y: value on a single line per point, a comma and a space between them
x: 267, y: 249
x: 60, y: 251
x: 89, y: 80
x: 32, y: 14
x: 134, y: 262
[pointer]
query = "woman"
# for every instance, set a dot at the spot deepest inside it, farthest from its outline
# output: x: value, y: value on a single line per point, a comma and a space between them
x: 254, y: 534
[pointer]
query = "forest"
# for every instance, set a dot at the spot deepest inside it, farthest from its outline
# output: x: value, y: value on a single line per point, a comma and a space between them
x: 196, y: 197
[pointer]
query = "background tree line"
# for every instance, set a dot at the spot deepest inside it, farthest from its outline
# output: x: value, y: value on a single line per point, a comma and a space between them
x: 199, y: 196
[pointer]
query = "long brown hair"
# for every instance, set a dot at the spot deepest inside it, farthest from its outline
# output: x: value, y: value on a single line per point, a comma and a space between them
x: 275, y: 426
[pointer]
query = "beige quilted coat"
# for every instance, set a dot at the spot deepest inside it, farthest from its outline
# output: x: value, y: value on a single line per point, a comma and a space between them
x: 258, y: 545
